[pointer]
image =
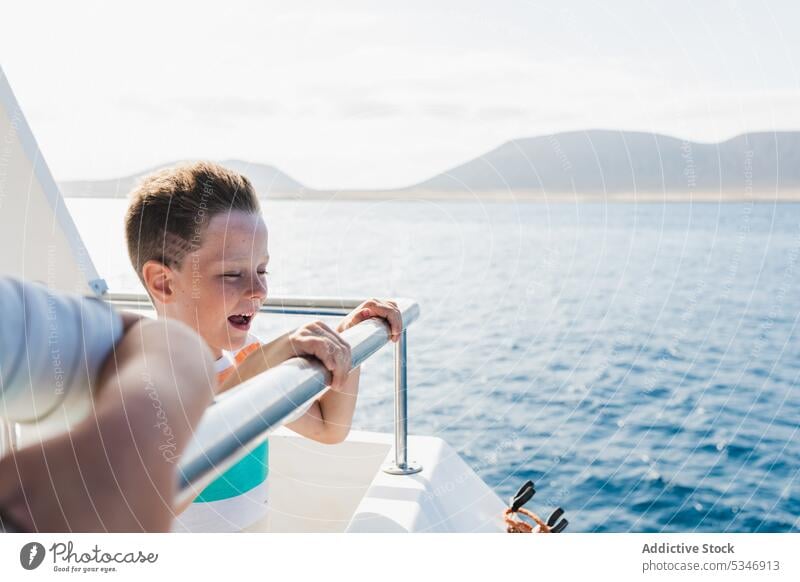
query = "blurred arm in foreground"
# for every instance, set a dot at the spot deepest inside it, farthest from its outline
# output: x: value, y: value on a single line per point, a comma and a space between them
x: 149, y: 384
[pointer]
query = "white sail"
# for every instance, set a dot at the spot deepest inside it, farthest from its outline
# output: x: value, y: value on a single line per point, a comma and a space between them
x: 38, y: 238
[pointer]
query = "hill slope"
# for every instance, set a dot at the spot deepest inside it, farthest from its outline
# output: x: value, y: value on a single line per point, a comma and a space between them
x: 600, y: 161
x: 266, y: 180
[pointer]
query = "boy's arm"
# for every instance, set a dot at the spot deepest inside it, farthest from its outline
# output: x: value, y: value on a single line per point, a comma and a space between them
x: 115, y: 471
x: 329, y: 418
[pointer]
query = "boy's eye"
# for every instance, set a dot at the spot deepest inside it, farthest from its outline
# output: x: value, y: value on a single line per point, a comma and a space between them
x: 237, y: 275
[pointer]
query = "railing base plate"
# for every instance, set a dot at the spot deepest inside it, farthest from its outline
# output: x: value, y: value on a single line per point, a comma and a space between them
x: 409, y: 469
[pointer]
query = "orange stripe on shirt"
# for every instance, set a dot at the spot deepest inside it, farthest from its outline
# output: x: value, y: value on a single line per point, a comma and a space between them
x: 240, y: 357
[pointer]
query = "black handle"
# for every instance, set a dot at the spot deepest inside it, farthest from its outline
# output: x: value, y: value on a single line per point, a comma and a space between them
x: 522, y: 497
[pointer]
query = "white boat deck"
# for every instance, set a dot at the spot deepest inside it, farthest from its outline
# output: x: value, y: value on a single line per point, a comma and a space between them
x: 341, y: 488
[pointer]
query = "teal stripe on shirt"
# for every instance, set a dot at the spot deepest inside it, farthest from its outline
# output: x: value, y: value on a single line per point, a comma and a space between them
x: 246, y: 474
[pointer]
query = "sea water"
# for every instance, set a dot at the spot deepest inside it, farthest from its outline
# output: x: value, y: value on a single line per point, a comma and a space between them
x: 639, y: 362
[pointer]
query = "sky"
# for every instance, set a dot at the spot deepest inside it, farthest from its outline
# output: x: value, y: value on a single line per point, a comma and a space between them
x: 346, y: 94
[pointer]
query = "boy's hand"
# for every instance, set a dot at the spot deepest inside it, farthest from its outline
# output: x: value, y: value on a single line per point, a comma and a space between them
x: 318, y: 340
x: 388, y: 310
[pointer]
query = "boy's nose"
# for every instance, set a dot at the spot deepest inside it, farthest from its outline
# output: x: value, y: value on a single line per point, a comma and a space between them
x: 259, y: 289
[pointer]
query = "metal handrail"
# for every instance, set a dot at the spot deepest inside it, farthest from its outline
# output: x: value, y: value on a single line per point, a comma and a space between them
x: 243, y: 416
x: 323, y: 306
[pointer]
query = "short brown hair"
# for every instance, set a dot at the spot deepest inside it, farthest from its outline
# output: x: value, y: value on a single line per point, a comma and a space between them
x: 170, y: 209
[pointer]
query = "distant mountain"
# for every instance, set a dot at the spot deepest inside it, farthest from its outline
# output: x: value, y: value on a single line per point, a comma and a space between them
x: 590, y: 162
x: 267, y: 181
x: 599, y: 161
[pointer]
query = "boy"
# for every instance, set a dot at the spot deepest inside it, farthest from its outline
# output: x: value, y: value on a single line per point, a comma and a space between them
x: 96, y: 477
x: 199, y: 245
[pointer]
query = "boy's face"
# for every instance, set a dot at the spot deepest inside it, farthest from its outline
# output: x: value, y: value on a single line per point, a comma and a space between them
x: 220, y: 287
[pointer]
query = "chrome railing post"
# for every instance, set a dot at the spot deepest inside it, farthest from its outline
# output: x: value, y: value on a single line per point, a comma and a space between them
x: 401, y: 466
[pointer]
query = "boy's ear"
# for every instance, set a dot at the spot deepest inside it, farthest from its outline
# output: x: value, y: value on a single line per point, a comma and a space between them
x: 158, y: 279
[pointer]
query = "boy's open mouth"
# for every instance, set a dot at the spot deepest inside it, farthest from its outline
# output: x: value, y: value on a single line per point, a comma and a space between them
x: 241, y: 320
